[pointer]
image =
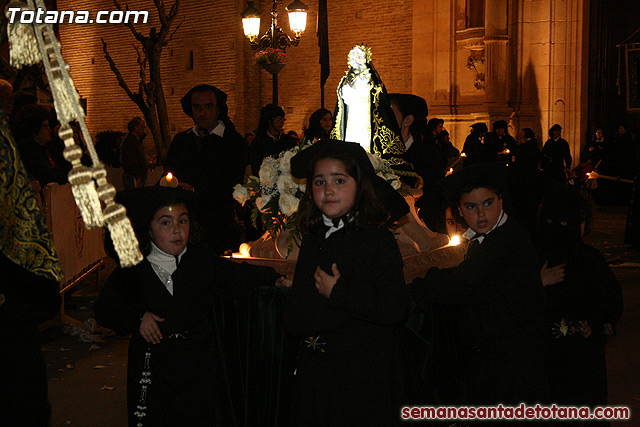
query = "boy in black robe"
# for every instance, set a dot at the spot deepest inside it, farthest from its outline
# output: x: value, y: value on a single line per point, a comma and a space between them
x: 497, y: 292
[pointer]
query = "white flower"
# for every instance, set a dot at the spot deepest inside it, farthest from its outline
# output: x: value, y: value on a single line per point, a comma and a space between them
x: 285, y: 161
x: 268, y: 174
x: 241, y: 193
x: 261, y: 202
x: 288, y: 204
x: 286, y: 184
x: 375, y: 160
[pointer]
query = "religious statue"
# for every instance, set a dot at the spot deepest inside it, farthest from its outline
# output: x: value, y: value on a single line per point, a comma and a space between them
x: 363, y: 112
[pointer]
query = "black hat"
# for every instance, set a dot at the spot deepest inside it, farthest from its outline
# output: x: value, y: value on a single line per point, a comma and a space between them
x: 221, y: 99
x: 491, y: 174
x: 270, y: 111
x: 143, y: 202
x: 500, y: 124
x: 479, y: 127
x: 410, y: 104
x: 302, y: 163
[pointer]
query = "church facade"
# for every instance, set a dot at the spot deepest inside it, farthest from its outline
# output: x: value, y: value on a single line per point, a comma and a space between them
x: 523, y: 61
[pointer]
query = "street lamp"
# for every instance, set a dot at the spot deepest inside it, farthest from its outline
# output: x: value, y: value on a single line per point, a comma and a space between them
x: 274, y: 37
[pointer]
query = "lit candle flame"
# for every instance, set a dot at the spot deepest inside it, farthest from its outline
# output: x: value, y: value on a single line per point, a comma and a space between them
x: 245, y: 250
x: 454, y: 241
x: 169, y: 181
x: 507, y: 151
x: 463, y: 155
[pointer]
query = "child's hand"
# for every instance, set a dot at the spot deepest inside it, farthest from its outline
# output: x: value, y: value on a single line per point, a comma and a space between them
x: 284, y: 282
x: 583, y: 329
x: 149, y: 328
x: 553, y: 275
x: 325, y: 281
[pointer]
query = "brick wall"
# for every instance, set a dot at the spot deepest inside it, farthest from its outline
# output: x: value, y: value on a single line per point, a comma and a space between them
x: 222, y: 56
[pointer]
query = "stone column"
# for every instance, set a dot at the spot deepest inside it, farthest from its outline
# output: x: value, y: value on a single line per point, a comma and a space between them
x: 496, y: 57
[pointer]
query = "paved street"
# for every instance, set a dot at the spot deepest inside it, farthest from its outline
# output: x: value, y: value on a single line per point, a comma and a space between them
x: 87, y: 381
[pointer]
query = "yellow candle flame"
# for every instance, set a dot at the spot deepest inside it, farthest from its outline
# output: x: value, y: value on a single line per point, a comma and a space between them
x: 463, y: 155
x: 454, y: 241
x: 169, y: 177
x: 245, y: 250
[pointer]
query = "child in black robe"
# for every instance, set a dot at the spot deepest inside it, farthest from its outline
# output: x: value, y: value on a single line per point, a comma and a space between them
x: 496, y: 292
x: 581, y: 310
x: 166, y: 303
x: 349, y: 292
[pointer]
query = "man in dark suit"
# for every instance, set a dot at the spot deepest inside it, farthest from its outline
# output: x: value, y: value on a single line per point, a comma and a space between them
x: 133, y: 156
x: 210, y: 158
x: 499, y: 141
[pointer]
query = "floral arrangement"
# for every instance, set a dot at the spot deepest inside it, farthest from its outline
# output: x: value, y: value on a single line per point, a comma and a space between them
x: 269, y: 56
x: 276, y: 194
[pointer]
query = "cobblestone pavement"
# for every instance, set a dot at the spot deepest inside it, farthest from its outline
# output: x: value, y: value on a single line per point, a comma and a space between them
x: 87, y: 381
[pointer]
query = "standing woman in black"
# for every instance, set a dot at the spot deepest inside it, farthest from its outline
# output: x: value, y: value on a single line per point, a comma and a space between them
x: 270, y: 139
x: 320, y: 124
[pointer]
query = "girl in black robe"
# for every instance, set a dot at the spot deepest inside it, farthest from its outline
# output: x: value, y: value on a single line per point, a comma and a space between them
x: 581, y: 310
x: 349, y: 293
x: 166, y: 303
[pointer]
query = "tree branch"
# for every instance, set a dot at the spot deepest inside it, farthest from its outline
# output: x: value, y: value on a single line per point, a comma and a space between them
x: 166, y: 20
x: 135, y: 97
x: 166, y: 42
x: 129, y: 25
x: 145, y: 87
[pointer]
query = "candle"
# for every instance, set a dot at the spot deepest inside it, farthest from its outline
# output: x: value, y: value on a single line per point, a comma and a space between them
x: 169, y: 181
x: 455, y: 240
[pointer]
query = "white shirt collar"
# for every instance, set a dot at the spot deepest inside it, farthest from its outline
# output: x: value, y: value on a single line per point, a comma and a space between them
x: 164, y: 265
x: 470, y: 234
x: 275, y: 138
x: 218, y: 130
x: 408, y: 142
x: 332, y: 228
